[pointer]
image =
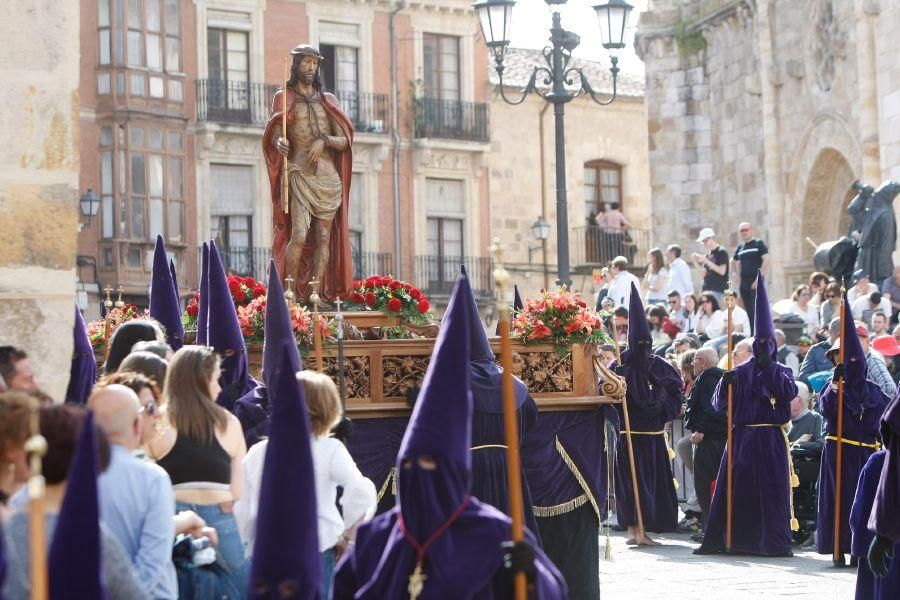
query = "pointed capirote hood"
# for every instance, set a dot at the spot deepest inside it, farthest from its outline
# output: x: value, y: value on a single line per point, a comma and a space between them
x: 164, y: 304
x: 286, y: 554
x: 440, y: 428
x: 516, y: 307
x: 279, y: 333
x: 83, y: 372
x: 74, y: 560
x: 638, y: 326
x: 175, y: 280
x: 203, y: 302
x: 479, y: 347
x: 224, y: 334
x: 855, y: 366
x: 763, y: 325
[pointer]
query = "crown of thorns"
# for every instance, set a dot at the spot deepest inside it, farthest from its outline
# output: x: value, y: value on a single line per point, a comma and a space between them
x: 307, y: 50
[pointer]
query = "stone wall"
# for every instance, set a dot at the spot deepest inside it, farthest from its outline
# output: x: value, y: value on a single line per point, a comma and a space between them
x: 39, y: 184
x: 767, y: 112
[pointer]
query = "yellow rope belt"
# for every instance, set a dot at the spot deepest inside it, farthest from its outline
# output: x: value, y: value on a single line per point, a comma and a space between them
x: 793, y: 480
x: 833, y: 438
x: 486, y: 446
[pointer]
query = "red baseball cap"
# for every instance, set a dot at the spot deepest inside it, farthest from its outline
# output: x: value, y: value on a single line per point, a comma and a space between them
x: 886, y: 345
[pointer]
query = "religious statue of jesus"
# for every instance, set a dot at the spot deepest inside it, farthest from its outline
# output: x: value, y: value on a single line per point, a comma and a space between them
x: 311, y: 231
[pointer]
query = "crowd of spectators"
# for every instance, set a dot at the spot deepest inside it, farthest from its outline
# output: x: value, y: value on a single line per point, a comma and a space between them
x: 689, y: 327
x: 177, y: 489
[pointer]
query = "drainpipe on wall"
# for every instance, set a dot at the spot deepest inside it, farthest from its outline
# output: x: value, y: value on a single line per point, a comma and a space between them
x: 543, y: 110
x: 395, y: 138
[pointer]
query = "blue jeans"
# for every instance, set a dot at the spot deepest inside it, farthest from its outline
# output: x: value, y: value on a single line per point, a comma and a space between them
x: 230, y: 551
x: 329, y: 560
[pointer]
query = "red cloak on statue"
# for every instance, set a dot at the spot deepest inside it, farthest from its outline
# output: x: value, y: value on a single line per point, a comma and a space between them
x: 338, y: 278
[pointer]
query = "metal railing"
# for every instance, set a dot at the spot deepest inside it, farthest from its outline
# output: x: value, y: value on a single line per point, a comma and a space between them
x: 451, y: 119
x: 240, y: 102
x: 591, y: 246
x: 435, y: 275
x: 369, y: 112
x: 254, y: 262
x: 366, y: 264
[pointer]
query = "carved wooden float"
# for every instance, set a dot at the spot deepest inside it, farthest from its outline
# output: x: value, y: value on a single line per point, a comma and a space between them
x: 379, y: 373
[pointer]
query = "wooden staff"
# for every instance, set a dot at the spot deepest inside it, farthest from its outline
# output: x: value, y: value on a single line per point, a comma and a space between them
x: 317, y: 334
x: 510, y: 422
x: 342, y: 384
x: 729, y: 444
x: 634, y: 484
x: 837, y: 556
x: 36, y: 448
x: 285, y: 200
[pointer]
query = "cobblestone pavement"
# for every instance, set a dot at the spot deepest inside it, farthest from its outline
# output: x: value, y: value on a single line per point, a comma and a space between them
x: 671, y: 571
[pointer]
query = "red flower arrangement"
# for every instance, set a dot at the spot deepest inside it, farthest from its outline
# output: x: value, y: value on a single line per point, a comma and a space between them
x: 392, y: 296
x: 97, y: 329
x: 561, y: 318
x: 244, y: 290
x: 252, y: 319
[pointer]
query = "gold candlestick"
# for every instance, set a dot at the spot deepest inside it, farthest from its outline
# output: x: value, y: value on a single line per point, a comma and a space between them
x: 289, y: 289
x: 108, y: 304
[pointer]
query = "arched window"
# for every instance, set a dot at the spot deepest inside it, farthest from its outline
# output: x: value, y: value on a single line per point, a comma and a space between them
x: 602, y: 185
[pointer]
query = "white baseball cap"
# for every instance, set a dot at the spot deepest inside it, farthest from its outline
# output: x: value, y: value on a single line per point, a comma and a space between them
x: 705, y: 234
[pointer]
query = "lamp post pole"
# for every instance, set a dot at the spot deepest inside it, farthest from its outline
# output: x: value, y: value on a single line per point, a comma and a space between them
x: 559, y: 97
x: 495, y: 17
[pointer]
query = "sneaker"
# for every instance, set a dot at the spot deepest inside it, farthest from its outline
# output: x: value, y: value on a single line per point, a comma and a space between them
x: 697, y: 537
x: 689, y: 524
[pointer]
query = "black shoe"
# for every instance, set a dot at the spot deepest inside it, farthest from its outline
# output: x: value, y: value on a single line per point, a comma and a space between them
x: 697, y: 537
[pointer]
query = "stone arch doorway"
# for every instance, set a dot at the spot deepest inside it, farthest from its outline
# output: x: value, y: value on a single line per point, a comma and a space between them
x: 823, y: 216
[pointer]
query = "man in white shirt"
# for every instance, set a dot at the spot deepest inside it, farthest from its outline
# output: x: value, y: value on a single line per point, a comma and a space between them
x: 864, y: 306
x: 861, y: 287
x: 679, y: 272
x: 620, y: 286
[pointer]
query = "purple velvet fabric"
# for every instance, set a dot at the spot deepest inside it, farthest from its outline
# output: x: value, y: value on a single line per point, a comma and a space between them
x: 466, y: 560
x: 651, y: 406
x: 83, y: 372
x: 489, y: 471
x: 550, y: 479
x: 374, y: 446
x: 254, y: 412
x: 165, y: 306
x: 885, y: 517
x: 763, y: 327
x: 74, y: 559
x: 864, y: 402
x: 203, y: 302
x: 761, y: 477
x: 869, y: 587
x: 286, y: 550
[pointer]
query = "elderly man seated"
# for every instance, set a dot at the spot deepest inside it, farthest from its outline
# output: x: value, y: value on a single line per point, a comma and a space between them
x: 806, y: 424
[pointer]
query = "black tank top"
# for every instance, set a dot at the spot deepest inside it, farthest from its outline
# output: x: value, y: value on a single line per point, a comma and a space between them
x: 189, y: 461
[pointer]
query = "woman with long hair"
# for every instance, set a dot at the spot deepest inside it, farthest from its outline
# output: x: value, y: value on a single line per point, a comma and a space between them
x: 148, y: 395
x: 147, y: 364
x: 15, y: 413
x: 805, y: 309
x: 655, y: 278
x: 709, y: 306
x: 830, y: 306
x: 818, y: 282
x: 691, y: 312
x: 201, y: 447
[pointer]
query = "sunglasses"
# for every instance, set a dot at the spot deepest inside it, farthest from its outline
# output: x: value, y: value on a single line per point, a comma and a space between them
x: 744, y: 230
x: 673, y: 302
x: 149, y: 408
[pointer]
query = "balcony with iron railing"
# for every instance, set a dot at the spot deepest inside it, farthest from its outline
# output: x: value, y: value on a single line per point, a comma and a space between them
x: 254, y: 261
x: 592, y: 247
x: 247, y: 103
x: 451, y: 119
x: 435, y: 275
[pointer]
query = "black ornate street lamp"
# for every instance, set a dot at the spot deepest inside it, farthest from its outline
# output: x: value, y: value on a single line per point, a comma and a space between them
x: 496, y: 17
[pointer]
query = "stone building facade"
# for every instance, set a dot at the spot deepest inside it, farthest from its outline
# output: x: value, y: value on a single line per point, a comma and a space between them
x: 203, y: 72
x: 39, y: 190
x: 602, y: 143
x: 767, y: 112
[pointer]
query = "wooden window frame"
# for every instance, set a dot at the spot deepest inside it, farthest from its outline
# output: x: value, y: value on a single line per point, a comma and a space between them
x: 599, y: 166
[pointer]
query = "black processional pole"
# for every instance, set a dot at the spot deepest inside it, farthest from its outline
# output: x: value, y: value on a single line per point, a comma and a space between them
x: 560, y: 84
